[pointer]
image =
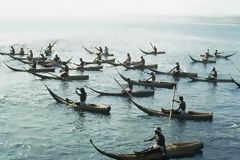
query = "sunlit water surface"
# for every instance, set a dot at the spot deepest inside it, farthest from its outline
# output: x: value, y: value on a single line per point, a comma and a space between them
x: 34, y: 126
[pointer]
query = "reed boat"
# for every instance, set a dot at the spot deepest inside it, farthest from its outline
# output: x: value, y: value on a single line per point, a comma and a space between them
x: 190, y: 115
x: 202, y: 61
x: 175, y: 150
x: 94, y: 108
x: 142, y: 93
x: 152, y: 52
x: 56, y: 77
x: 211, y: 80
x: 180, y: 74
x: 31, y: 69
x: 157, y: 84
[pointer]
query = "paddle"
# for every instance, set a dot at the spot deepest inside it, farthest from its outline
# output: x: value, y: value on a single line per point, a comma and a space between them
x: 54, y: 43
x: 174, y: 91
x: 151, y: 45
x: 123, y: 88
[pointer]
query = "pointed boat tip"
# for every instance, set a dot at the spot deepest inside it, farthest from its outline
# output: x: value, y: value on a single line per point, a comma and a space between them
x: 90, y: 141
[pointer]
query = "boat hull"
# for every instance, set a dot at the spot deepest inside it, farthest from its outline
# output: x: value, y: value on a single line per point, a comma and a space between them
x: 94, y: 108
x: 191, y: 115
x: 68, y: 78
x: 175, y: 150
x: 156, y: 84
x: 202, y: 61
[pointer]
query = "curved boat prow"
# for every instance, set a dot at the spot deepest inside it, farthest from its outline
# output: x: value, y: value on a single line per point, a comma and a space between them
x: 104, y: 153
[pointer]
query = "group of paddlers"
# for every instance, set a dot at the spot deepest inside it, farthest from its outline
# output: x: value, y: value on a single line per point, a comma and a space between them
x: 47, y: 51
x: 207, y: 55
x: 101, y: 50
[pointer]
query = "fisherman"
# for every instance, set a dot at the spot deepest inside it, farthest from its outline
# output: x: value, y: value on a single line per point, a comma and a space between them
x: 152, y: 78
x: 83, y: 96
x: 160, y: 143
x: 155, y: 49
x: 128, y: 60
x: 99, y: 49
x: 99, y: 57
x: 21, y: 51
x: 182, y: 106
x: 65, y: 71
x: 42, y: 56
x: 129, y: 88
x: 213, y: 74
x: 49, y: 48
x: 12, y: 51
x: 106, y: 50
x: 57, y: 59
x: 207, y: 55
x: 176, y: 69
x: 81, y: 62
x: 34, y: 65
x: 30, y: 56
x: 142, y: 62
x: 216, y: 53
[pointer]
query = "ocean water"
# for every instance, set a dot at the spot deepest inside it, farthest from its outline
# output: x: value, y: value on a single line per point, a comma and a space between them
x: 34, y: 126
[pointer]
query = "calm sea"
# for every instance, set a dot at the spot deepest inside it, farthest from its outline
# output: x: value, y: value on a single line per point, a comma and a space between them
x: 34, y: 126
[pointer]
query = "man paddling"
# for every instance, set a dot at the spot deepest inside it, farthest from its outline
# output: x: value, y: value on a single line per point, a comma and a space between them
x: 160, y: 143
x: 182, y: 106
x: 81, y: 63
x: 216, y: 53
x: 12, y: 51
x: 34, y: 65
x: 213, y: 74
x: 128, y: 60
x: 65, y: 71
x: 99, y: 58
x: 152, y: 78
x: 176, y: 69
x: 142, y: 62
x: 106, y: 50
x: 99, y: 49
x: 207, y: 55
x: 83, y: 96
x: 21, y: 51
x: 57, y: 59
x: 129, y: 88
x: 30, y: 57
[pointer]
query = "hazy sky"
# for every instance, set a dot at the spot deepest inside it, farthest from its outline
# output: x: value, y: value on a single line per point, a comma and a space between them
x: 83, y: 8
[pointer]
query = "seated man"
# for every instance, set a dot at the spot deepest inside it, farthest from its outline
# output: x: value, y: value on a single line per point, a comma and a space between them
x: 65, y: 71
x: 159, y: 146
x: 83, y: 96
x: 21, y: 51
x: 100, y: 50
x: 213, y: 74
x: 129, y: 88
x: 128, y: 60
x: 12, y: 51
x: 106, y: 50
x: 142, y: 62
x: 175, y: 70
x: 152, y: 78
x: 182, y: 106
x: 57, y: 59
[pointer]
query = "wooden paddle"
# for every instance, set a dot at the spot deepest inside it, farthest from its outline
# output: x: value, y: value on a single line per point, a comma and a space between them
x: 151, y: 45
x: 123, y: 88
x: 174, y: 91
x: 54, y: 43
